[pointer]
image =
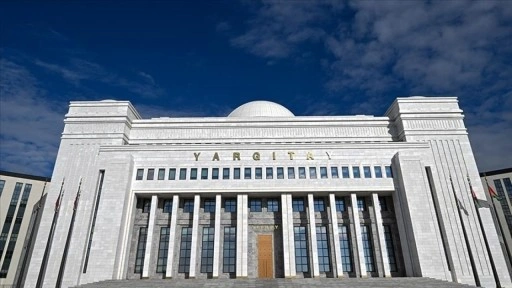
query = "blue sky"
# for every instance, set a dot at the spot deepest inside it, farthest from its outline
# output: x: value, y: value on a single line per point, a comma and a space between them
x: 193, y: 58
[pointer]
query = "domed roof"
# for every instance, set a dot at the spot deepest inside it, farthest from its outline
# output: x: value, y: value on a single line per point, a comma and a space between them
x: 261, y: 109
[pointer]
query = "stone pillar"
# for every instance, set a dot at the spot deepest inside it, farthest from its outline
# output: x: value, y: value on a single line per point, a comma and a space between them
x: 172, y: 236
x: 312, y: 233
x: 288, y: 236
x: 241, y: 235
x: 359, y: 239
x: 149, y: 238
x: 380, y: 233
x: 291, y: 236
x: 216, y: 241
x: 195, y: 233
x: 338, y: 267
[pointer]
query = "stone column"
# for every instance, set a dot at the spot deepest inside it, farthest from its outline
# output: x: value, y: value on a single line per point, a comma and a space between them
x: 195, y: 233
x: 291, y: 236
x: 285, y: 227
x: 149, y: 238
x: 241, y: 235
x: 216, y: 241
x: 380, y: 233
x: 338, y: 267
x: 312, y: 233
x: 172, y: 236
x: 359, y: 238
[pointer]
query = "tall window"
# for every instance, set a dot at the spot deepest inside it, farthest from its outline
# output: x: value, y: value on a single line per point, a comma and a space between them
x: 302, y: 172
x: 229, y: 255
x: 236, y: 173
x: 215, y: 173
x: 280, y: 173
x: 367, y: 172
x: 340, y: 204
x: 323, y: 172
x: 298, y: 204
x: 355, y: 171
x: 230, y: 205
x: 146, y: 205
x: 247, y: 173
x: 346, y: 253
x: 151, y: 174
x: 258, y: 173
x: 10, y: 215
x: 334, y: 172
x: 312, y: 172
x: 361, y: 204
x: 167, y: 206
x: 186, y: 244
x: 272, y: 205
x: 193, y: 173
x: 301, y: 249
x: 161, y: 264
x: 225, y: 173
x: 291, y: 172
x: 209, y: 205
x: 204, y: 173
x: 188, y: 205
x: 389, y: 246
x: 183, y: 173
x: 367, y: 248
x: 207, y: 250
x: 345, y: 172
x: 2, y: 183
x: 255, y: 205
x: 141, y: 249
x: 172, y: 174
x: 319, y: 204
x: 389, y: 172
x: 378, y: 171
x: 161, y: 174
x: 140, y: 174
x: 383, y: 204
x: 269, y: 173
x: 322, y: 242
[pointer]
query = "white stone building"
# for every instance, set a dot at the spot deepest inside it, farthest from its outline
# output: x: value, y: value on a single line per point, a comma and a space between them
x: 264, y: 193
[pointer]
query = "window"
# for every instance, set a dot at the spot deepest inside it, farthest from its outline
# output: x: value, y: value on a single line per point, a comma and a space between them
x: 141, y: 249
x: 140, y: 174
x: 272, y: 205
x: 312, y: 172
x: 172, y: 174
x: 161, y: 263
x: 247, y: 173
x: 367, y: 172
x: 225, y: 173
x: 146, y: 205
x: 167, y: 206
x: 291, y: 172
x: 340, y: 205
x: 269, y: 173
x: 389, y: 172
x: 188, y: 206
x: 389, y: 246
x: 229, y: 205
x: 151, y: 174
x: 334, y: 172
x: 193, y: 173
x: 319, y: 204
x: 322, y: 242
x: 229, y: 253
x: 301, y: 249
x: 2, y: 182
x: 215, y: 173
x: 186, y: 243
x: 323, y: 172
x: 378, y: 171
x: 255, y: 205
x: 346, y: 253
x: 204, y: 173
x: 345, y: 172
x: 183, y: 173
x: 161, y: 174
x: 355, y: 171
x: 280, y: 173
x: 298, y: 205
x: 207, y: 250
x: 209, y: 205
x: 361, y: 204
x: 236, y: 173
x: 258, y: 173
x: 383, y: 204
x: 302, y: 172
x: 367, y: 248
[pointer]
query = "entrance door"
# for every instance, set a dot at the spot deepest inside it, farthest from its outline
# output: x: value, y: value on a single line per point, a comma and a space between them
x: 265, y: 257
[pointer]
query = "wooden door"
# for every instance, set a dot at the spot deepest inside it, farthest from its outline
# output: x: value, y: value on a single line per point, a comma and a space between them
x: 265, y: 257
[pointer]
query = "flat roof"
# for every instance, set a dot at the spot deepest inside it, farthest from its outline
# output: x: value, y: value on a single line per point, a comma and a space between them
x: 26, y: 176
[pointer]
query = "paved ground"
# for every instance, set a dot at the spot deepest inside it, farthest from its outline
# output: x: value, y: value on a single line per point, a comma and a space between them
x: 285, y: 283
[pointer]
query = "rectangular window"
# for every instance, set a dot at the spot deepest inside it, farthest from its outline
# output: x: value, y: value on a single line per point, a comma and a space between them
x: 312, y: 172
x: 172, y: 174
x: 334, y: 172
x: 383, y: 204
x: 280, y: 173
x: 367, y: 248
x: 301, y: 249
x: 291, y: 172
x: 236, y: 173
x: 146, y: 205
x: 389, y: 172
x: 389, y: 246
x: 161, y: 263
x: 2, y: 183
x: 230, y: 205
x: 209, y: 205
x: 378, y: 171
x: 255, y: 205
x: 140, y: 174
x: 272, y: 205
x: 151, y: 174
x: 161, y: 174
x: 346, y: 251
x: 345, y: 172
x: 247, y: 173
x: 229, y: 253
x: 258, y: 173
x: 367, y: 172
x: 322, y: 242
x: 167, y: 206
x: 298, y: 204
x: 340, y: 204
x: 215, y: 173
x: 355, y: 171
x: 188, y: 206
x: 269, y: 173
x: 361, y: 204
x: 193, y: 173
x: 186, y: 243
x: 207, y: 250
x: 323, y: 172
x: 204, y: 173
x: 319, y: 204
x: 302, y: 172
x: 141, y: 249
x: 225, y: 173
x: 183, y: 173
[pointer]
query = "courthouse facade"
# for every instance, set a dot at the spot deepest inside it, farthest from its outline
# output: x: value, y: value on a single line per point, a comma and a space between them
x: 264, y: 193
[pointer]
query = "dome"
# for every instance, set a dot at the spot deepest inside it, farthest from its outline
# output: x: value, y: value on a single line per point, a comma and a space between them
x: 261, y: 109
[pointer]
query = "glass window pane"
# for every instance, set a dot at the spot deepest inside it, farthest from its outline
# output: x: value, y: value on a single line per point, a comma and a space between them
x: 272, y: 205
x: 323, y: 172
x: 236, y: 173
x: 334, y: 172
x: 140, y: 174
x: 258, y: 173
x: 247, y: 173
x: 280, y: 173
x: 312, y: 172
x: 215, y: 173
x: 172, y: 174
x: 367, y: 172
x: 204, y: 173
x: 161, y: 174
x: 291, y: 172
x: 355, y: 171
x: 345, y: 172
x: 389, y: 172
x: 193, y: 173
x: 269, y: 172
x: 151, y: 174
x: 183, y: 173
x: 225, y: 173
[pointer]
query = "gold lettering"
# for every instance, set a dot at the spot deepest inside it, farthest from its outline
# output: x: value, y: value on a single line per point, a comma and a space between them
x: 197, y: 155
x: 275, y: 226
x: 273, y: 155
x: 291, y: 154
x: 215, y: 157
x: 309, y: 156
x: 256, y: 156
x: 328, y: 156
x: 236, y: 156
